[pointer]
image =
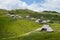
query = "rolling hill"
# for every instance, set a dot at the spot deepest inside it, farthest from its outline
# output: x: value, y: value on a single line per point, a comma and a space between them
x: 10, y: 27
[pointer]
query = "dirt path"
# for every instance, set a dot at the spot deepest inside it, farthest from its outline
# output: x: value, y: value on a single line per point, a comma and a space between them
x: 22, y: 34
x: 25, y: 34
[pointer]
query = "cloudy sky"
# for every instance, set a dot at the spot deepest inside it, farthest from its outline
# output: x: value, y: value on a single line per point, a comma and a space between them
x: 35, y: 5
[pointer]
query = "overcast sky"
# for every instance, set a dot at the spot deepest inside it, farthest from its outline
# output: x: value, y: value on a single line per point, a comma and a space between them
x: 35, y: 5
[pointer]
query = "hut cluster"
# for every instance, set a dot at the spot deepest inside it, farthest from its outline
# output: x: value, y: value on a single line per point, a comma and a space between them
x: 28, y: 17
x: 14, y: 16
x: 43, y: 28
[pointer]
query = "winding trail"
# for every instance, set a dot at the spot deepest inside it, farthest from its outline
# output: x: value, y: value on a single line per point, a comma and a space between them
x: 22, y: 34
x: 26, y: 34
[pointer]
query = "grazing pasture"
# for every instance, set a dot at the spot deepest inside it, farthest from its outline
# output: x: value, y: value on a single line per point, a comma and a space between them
x: 13, y: 29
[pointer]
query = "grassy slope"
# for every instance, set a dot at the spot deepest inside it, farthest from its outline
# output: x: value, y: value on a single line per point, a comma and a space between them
x: 46, y: 15
x: 10, y: 27
x: 40, y: 36
x: 56, y: 27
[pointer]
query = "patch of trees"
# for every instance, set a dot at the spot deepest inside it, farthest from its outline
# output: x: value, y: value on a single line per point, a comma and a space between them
x: 51, y: 11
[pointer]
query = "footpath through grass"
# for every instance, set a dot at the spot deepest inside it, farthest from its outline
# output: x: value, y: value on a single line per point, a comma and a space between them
x: 10, y: 27
x: 38, y: 36
x: 41, y: 36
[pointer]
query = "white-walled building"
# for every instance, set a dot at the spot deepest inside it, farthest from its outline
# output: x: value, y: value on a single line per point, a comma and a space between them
x: 44, y: 21
x: 38, y: 21
x: 27, y: 16
x: 33, y: 18
x: 19, y: 17
x: 46, y: 28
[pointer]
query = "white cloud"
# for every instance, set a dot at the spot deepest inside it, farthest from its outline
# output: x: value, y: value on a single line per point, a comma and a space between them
x: 33, y: 7
x: 53, y: 5
x: 12, y: 4
x: 49, y: 5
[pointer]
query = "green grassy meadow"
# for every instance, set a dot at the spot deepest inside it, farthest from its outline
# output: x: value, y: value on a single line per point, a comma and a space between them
x: 11, y: 29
